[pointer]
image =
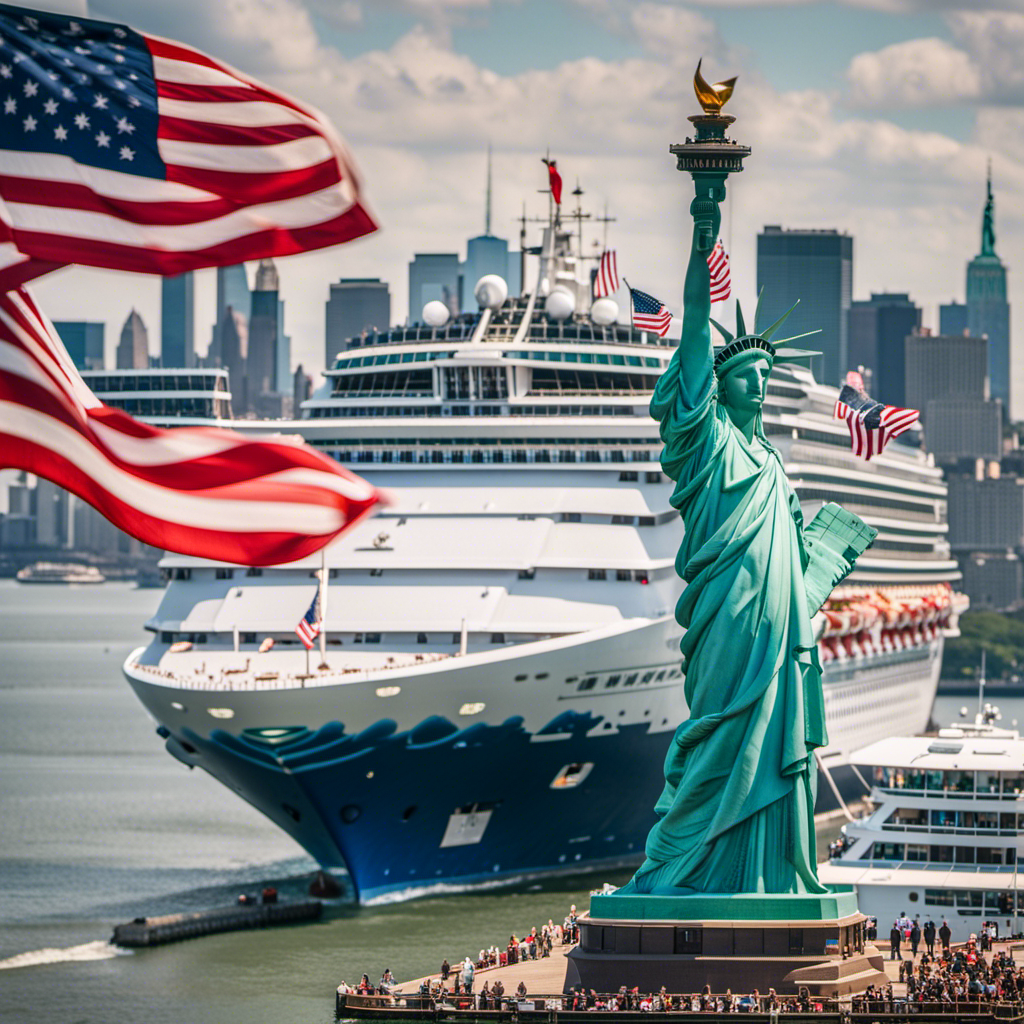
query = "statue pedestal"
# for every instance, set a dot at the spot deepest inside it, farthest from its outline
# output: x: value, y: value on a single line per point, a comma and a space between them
x: 737, y: 941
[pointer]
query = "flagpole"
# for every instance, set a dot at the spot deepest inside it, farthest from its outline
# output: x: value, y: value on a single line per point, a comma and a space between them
x: 630, y: 287
x: 324, y: 575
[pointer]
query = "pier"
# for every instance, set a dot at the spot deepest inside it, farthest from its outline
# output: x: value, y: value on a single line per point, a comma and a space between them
x: 156, y: 931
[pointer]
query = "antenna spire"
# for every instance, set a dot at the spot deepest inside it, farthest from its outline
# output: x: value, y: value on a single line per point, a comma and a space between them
x: 487, y: 208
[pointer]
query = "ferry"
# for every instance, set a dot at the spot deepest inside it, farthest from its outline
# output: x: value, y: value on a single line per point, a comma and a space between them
x: 499, y: 674
x: 59, y: 572
x: 943, y: 837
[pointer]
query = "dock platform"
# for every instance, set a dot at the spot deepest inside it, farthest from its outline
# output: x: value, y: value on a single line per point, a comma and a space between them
x: 155, y: 931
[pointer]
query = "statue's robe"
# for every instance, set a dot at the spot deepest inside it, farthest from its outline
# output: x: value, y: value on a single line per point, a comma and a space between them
x: 737, y: 811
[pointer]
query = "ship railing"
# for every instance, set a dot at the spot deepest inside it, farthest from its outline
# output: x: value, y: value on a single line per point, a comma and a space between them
x: 231, y: 679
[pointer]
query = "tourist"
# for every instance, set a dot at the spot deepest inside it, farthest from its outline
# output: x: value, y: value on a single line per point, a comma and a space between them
x: 387, y: 981
x: 915, y: 937
x: 497, y: 991
x: 445, y: 970
x: 945, y: 935
x: 895, y: 935
x: 467, y: 976
x: 521, y: 991
x: 929, y: 936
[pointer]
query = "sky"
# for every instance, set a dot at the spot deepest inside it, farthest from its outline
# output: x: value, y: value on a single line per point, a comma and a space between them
x: 875, y: 117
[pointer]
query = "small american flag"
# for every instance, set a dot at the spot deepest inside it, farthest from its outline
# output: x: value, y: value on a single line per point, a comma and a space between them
x: 132, y: 152
x: 872, y: 424
x: 607, y: 281
x: 308, y: 628
x: 721, y: 278
x: 649, y: 314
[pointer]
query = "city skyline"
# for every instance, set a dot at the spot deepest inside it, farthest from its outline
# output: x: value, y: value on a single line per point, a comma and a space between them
x: 873, y: 118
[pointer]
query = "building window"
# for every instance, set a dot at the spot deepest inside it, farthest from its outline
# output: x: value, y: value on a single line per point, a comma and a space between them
x: 597, y: 574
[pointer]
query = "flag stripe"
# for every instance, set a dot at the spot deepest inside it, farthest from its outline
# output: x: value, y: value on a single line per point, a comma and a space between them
x: 255, y: 113
x: 719, y: 273
x: 607, y: 281
x: 270, y: 501
x: 176, y: 129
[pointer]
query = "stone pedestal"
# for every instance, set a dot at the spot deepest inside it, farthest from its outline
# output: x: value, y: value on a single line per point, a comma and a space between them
x: 736, y: 941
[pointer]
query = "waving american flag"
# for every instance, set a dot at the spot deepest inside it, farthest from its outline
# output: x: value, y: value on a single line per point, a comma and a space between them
x: 649, y: 314
x: 123, y: 150
x: 607, y: 281
x: 721, y: 275
x: 872, y: 424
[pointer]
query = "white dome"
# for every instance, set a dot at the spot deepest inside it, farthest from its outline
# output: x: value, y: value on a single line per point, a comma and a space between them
x: 604, y: 312
x: 491, y: 291
x: 559, y: 305
x: 436, y: 313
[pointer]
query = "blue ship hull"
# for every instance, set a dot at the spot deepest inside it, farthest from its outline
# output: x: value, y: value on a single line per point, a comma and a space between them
x: 380, y: 803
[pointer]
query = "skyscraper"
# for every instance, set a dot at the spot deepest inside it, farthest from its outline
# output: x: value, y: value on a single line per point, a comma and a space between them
x: 945, y: 366
x: 261, y: 363
x: 233, y: 335
x: 233, y: 293
x: 356, y: 304
x: 988, y: 312
x: 177, y: 343
x: 816, y: 267
x: 84, y: 340
x: 485, y: 254
x: 434, y: 275
x: 133, y: 348
x: 953, y: 318
x: 879, y: 327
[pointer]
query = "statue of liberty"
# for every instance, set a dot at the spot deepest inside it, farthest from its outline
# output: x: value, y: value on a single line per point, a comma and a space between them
x: 737, y: 811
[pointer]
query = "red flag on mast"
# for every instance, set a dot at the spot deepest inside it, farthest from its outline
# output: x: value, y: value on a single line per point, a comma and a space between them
x: 554, y: 179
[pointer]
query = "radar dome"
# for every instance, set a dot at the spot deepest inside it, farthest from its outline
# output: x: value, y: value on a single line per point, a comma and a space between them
x: 559, y: 305
x: 604, y: 312
x: 491, y: 291
x: 436, y: 313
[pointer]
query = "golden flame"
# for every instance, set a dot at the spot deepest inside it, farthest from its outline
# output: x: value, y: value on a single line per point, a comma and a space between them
x: 712, y: 97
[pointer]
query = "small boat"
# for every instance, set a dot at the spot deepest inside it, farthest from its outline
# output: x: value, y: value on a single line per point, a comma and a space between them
x: 60, y: 572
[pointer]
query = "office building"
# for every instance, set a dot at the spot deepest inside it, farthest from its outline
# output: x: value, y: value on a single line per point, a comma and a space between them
x: 816, y: 267
x: 233, y: 337
x: 992, y: 580
x: 963, y: 428
x: 283, y: 381
x: 261, y: 362
x: 302, y: 388
x: 485, y: 254
x: 355, y: 305
x: 941, y: 365
x: 953, y: 318
x: 84, y: 340
x: 233, y: 294
x: 988, y: 312
x: 878, y: 328
x: 177, y: 322
x: 133, y: 348
x: 434, y: 275
x: 985, y: 514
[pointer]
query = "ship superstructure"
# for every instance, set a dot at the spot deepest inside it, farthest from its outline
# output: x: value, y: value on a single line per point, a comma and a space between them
x: 501, y: 649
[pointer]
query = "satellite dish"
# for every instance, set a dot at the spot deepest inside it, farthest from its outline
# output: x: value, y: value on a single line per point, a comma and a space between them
x: 436, y: 313
x: 559, y: 305
x: 604, y: 312
x: 491, y: 291
x: 543, y: 286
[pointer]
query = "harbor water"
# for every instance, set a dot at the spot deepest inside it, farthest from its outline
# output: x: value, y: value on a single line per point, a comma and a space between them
x: 100, y: 825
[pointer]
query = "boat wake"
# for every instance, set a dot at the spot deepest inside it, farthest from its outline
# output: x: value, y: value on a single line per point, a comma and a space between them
x: 100, y: 949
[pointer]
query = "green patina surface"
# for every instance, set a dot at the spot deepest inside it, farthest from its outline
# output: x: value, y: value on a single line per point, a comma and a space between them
x: 725, y: 907
x: 736, y: 815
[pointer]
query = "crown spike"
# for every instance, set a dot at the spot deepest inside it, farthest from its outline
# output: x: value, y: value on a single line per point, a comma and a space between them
x: 724, y: 331
x: 757, y: 308
x: 741, y: 327
x: 806, y: 334
x: 778, y: 323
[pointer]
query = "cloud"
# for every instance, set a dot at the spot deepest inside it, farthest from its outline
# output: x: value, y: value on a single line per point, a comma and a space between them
x: 664, y: 30
x: 995, y: 41
x: 918, y: 73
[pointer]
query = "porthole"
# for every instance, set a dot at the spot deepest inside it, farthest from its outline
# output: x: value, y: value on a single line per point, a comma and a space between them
x: 177, y: 705
x: 350, y: 813
x: 220, y: 712
x: 913, y: 897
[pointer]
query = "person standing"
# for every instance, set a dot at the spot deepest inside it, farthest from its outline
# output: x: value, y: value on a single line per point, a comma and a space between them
x: 894, y: 941
x: 467, y: 976
x: 445, y: 969
x: 915, y: 937
x: 929, y: 936
x: 945, y: 935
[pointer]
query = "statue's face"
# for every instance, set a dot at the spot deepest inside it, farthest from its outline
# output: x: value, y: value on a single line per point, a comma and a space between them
x: 743, y: 388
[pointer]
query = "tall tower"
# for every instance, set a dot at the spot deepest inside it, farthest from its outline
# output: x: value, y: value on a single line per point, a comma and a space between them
x: 261, y: 366
x: 233, y: 293
x: 177, y: 344
x: 815, y: 267
x: 988, y: 312
x: 485, y: 254
x: 355, y: 304
x: 133, y: 348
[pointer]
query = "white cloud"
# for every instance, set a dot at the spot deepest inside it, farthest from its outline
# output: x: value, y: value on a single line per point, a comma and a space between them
x: 921, y: 72
x: 665, y: 30
x: 995, y: 41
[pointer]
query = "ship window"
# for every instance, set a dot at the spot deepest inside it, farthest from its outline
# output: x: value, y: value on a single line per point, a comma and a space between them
x: 376, y: 572
x: 915, y: 851
x: 622, y: 520
x: 661, y: 675
x: 623, y: 574
x: 527, y: 574
x: 612, y: 681
x: 542, y: 675
x: 596, y: 574
x: 588, y: 684
x: 253, y: 571
x: 630, y: 680
x: 1013, y: 783
x: 373, y: 638
x: 888, y: 851
x: 248, y: 638
x: 421, y: 638
x: 497, y: 638
x: 357, y: 638
x: 641, y: 576
x: 166, y: 638
x: 645, y: 521
x: 970, y: 898
x: 939, y: 897
x: 628, y: 475
x: 572, y: 775
x: 182, y: 574
x: 571, y: 517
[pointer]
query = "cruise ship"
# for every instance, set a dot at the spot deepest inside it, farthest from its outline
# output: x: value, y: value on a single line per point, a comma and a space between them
x: 499, y: 676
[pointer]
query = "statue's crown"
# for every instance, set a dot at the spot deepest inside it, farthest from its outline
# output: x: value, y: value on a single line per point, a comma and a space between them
x: 740, y: 347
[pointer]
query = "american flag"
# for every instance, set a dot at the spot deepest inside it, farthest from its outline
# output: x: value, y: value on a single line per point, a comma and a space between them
x: 607, y: 281
x: 649, y: 314
x: 309, y: 625
x: 127, y: 151
x: 721, y: 278
x: 198, y: 490
x: 872, y: 424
